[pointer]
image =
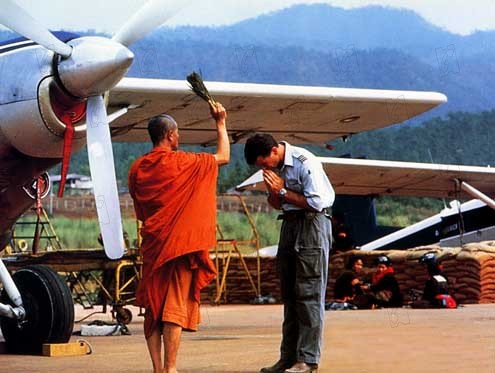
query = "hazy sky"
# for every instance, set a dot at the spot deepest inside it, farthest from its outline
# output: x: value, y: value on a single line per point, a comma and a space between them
x: 459, y: 16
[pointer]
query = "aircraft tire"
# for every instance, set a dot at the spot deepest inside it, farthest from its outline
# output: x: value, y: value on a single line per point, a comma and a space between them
x: 49, y: 311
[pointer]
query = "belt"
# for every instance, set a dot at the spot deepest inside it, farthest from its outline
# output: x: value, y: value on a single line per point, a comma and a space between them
x: 292, y: 215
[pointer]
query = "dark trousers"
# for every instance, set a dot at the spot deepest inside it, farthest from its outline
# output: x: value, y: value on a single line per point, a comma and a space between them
x: 302, y: 261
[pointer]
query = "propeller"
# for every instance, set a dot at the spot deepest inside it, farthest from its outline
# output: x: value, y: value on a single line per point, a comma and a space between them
x: 102, y: 168
x: 18, y: 20
x: 90, y: 67
x: 150, y: 16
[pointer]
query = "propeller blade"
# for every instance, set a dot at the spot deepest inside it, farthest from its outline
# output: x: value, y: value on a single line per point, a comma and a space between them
x: 151, y: 15
x: 18, y: 20
x: 103, y: 176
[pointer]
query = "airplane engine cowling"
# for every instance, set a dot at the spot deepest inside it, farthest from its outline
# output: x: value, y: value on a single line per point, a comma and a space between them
x: 35, y: 126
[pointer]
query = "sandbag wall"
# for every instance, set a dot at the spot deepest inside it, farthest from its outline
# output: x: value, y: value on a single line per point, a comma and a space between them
x: 239, y: 289
x: 470, y: 270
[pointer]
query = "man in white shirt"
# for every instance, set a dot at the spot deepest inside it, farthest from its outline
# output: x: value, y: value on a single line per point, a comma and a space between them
x: 298, y: 185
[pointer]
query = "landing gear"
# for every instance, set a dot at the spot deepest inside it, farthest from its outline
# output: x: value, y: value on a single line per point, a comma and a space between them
x: 49, y: 311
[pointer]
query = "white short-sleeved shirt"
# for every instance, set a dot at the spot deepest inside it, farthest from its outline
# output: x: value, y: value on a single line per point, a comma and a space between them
x: 303, y: 173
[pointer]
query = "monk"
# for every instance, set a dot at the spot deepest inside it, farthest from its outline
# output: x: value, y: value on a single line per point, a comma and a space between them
x: 174, y: 194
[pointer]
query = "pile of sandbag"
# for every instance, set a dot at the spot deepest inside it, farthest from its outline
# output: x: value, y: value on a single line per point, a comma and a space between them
x: 470, y: 271
x: 238, y: 288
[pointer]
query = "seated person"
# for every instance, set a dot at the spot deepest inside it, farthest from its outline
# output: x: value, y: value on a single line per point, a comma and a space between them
x: 341, y: 238
x: 436, y: 293
x: 384, y: 290
x: 348, y: 284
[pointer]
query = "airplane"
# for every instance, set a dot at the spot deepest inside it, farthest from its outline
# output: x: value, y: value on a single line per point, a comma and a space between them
x: 454, y: 226
x: 61, y: 91
x: 358, y: 181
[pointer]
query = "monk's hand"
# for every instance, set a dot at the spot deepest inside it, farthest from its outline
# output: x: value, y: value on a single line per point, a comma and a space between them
x: 218, y: 112
x: 272, y: 181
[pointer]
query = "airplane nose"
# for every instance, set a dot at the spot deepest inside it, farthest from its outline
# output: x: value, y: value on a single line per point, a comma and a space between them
x: 95, y: 66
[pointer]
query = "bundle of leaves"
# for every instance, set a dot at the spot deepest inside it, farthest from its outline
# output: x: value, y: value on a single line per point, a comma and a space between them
x: 198, y: 87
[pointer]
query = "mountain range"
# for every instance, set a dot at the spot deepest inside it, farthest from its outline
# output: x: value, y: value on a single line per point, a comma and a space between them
x: 371, y: 47
x: 329, y: 29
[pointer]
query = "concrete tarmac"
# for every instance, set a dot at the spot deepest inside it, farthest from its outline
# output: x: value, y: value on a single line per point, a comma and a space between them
x: 244, y: 338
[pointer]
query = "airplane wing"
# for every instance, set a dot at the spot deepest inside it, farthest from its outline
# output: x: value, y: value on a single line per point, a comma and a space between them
x: 373, y: 177
x: 293, y: 113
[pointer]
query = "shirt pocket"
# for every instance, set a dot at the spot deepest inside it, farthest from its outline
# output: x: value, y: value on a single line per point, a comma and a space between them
x: 294, y: 185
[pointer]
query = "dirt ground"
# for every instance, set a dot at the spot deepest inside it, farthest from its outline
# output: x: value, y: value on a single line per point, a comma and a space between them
x: 245, y: 338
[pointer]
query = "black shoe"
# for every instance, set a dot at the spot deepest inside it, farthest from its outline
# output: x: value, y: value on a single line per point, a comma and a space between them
x: 279, y: 367
x: 302, y: 367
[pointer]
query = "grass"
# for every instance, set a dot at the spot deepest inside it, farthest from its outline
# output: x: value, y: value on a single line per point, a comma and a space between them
x: 401, y: 211
x: 236, y: 226
x: 75, y: 233
x: 83, y: 232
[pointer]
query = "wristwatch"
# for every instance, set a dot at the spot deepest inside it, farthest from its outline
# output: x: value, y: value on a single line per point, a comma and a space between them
x: 282, y: 192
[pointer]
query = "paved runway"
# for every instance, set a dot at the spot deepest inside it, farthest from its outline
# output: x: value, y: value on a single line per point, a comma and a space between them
x: 244, y: 338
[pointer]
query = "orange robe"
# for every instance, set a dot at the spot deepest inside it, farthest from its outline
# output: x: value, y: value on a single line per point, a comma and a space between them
x: 174, y: 195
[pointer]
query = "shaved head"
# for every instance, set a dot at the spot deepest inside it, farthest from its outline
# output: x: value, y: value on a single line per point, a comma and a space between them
x: 159, y: 126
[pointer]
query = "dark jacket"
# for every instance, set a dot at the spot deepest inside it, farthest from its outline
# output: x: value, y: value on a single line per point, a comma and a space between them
x: 434, y: 286
x: 387, y: 285
x: 344, y: 288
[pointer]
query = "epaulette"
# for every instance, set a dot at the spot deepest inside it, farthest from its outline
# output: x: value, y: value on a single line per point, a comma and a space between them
x: 302, y: 158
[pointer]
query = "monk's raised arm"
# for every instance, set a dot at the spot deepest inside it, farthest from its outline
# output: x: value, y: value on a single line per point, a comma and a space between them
x: 219, y: 113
